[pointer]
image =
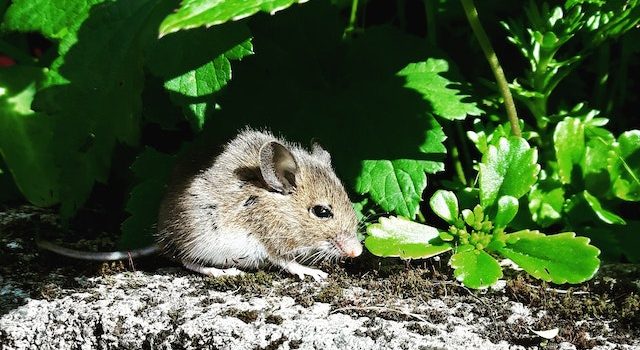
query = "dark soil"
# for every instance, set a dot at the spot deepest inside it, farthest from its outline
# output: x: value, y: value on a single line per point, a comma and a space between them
x: 579, y: 311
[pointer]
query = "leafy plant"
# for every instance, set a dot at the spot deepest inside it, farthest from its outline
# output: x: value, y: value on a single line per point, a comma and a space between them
x: 111, y: 92
x: 507, y: 171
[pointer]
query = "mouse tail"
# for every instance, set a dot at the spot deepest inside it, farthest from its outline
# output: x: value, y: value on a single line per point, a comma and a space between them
x: 97, y: 256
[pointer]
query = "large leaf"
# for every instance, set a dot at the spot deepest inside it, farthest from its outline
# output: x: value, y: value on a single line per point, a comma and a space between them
x: 510, y: 169
x: 624, y: 166
x: 569, y: 144
x: 400, y: 237
x: 93, y: 93
x: 25, y: 136
x: 55, y: 19
x: 559, y: 258
x: 475, y: 268
x: 198, y: 13
x: 425, y: 78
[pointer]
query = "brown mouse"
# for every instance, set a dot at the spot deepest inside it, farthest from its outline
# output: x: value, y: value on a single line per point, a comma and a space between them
x: 263, y: 201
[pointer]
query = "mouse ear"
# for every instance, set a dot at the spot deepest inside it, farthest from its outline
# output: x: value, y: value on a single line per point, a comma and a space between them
x: 319, y: 152
x: 278, y: 167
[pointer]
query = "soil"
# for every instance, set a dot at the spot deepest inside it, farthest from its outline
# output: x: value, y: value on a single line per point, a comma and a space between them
x: 55, y: 302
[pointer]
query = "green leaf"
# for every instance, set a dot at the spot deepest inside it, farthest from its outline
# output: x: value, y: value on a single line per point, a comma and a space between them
x: 475, y: 268
x: 54, y: 19
x: 403, y: 238
x: 546, y: 201
x: 559, y: 258
x: 602, y: 213
x: 152, y: 169
x: 198, y: 13
x: 425, y: 78
x: 507, y: 210
x: 596, y: 160
x: 93, y: 93
x: 624, y: 166
x: 509, y: 168
x: 445, y: 205
x: 569, y: 144
x: 396, y: 185
x: 25, y: 136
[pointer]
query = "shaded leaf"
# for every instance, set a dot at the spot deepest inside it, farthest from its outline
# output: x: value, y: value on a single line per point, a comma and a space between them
x: 602, y: 213
x: 25, y: 136
x: 624, y: 166
x: 546, y: 201
x: 569, y: 144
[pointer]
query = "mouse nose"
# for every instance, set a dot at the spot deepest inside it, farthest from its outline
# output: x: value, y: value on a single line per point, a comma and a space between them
x: 351, y: 248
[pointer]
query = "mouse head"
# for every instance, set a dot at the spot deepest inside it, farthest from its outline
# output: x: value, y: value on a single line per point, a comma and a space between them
x: 324, y: 217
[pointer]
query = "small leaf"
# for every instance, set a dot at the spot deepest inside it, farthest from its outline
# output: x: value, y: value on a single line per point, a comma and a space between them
x: 445, y: 236
x: 604, y: 215
x: 624, y: 166
x: 403, y: 238
x: 396, y: 185
x: 559, y: 258
x: 546, y: 201
x: 568, y: 141
x: 508, y: 169
x: 507, y: 210
x: 475, y: 268
x: 425, y: 78
x: 198, y: 13
x: 445, y: 205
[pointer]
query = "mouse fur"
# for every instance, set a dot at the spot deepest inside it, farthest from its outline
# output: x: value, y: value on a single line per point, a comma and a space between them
x: 262, y: 201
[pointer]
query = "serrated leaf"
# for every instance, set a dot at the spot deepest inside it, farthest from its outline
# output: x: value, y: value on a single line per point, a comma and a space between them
x: 25, y: 136
x: 199, y: 13
x: 475, y: 268
x: 569, y: 144
x: 507, y: 210
x: 152, y: 169
x: 602, y: 213
x: 192, y: 72
x: 509, y: 168
x: 559, y: 258
x: 624, y: 166
x: 396, y: 185
x: 425, y: 78
x: 445, y: 205
x: 399, y: 237
x: 93, y: 94
x: 54, y: 19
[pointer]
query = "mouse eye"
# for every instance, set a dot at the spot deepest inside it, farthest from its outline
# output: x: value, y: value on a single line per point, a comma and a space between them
x: 321, y: 211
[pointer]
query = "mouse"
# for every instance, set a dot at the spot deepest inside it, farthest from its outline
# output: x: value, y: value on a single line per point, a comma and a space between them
x: 261, y: 202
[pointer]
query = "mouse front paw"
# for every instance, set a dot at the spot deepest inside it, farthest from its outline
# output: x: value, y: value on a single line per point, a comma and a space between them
x: 301, y: 271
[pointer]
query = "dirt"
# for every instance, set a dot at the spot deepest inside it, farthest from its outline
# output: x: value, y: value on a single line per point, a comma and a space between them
x: 420, y: 297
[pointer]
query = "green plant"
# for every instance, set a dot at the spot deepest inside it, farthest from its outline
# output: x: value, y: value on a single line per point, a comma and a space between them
x: 507, y: 171
x: 111, y: 92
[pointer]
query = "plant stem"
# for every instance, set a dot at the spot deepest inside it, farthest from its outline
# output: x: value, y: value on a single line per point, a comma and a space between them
x: 472, y: 16
x: 352, y: 17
